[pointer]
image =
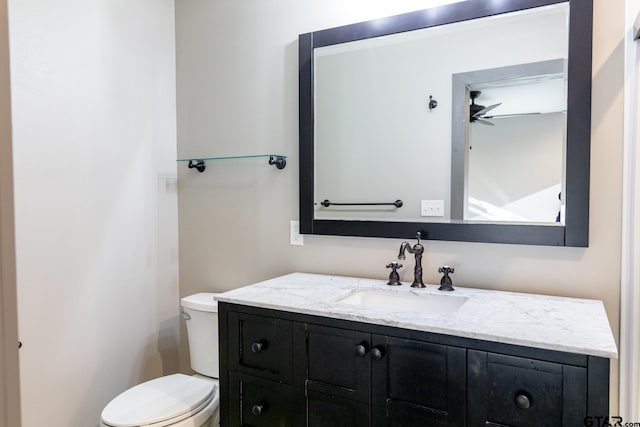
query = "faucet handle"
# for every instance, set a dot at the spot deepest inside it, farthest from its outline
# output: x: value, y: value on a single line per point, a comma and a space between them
x: 394, y: 266
x: 394, y: 277
x: 446, y: 284
x: 419, y: 236
x: 446, y: 269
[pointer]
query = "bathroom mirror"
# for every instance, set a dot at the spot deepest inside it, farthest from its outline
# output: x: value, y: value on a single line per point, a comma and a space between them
x: 390, y: 145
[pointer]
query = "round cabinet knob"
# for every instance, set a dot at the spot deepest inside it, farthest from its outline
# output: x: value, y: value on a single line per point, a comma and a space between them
x: 523, y: 401
x: 361, y: 350
x: 376, y: 353
x: 257, y: 410
x: 257, y: 347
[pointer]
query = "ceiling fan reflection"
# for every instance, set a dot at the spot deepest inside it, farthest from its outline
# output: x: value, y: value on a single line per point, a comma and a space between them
x: 478, y: 113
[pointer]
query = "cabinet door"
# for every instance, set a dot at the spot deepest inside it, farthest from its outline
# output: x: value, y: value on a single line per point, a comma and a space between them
x: 418, y: 383
x: 338, y: 362
x: 261, y: 346
x: 520, y: 392
x: 325, y: 410
x: 261, y: 403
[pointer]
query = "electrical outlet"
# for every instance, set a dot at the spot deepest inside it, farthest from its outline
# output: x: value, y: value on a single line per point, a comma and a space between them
x: 432, y: 208
x: 295, y: 238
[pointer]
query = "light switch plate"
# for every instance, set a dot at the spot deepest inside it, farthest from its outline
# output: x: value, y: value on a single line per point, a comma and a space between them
x: 295, y: 238
x: 432, y: 208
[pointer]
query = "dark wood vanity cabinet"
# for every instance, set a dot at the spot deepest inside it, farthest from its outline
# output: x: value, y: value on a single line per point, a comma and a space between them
x: 337, y: 362
x: 398, y: 380
x: 505, y: 390
x: 263, y: 403
x: 286, y: 369
x: 417, y: 383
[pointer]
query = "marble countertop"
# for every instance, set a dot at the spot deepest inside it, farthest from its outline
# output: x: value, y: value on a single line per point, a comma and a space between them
x: 547, y: 322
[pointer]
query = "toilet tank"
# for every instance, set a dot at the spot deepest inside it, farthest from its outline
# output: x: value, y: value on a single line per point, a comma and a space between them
x: 200, y: 312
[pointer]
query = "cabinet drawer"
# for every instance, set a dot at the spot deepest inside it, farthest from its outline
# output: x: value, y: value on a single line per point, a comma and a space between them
x: 417, y: 380
x: 259, y: 403
x: 326, y: 410
x: 396, y: 414
x: 521, y: 392
x: 338, y: 362
x: 261, y: 346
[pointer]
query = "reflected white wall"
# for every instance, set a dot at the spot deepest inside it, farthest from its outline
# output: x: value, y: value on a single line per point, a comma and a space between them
x: 375, y: 138
x: 516, y: 165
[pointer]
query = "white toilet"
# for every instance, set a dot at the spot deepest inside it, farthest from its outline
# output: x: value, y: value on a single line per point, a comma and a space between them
x: 178, y: 400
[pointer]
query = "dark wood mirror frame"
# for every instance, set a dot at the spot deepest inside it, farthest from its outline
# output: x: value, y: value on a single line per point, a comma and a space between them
x: 575, y: 231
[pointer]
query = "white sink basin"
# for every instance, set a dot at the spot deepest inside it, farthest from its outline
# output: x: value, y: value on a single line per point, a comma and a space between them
x: 395, y: 301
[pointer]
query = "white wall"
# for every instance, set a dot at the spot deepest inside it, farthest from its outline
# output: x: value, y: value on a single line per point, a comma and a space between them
x: 517, y: 165
x: 237, y: 92
x: 9, y: 381
x: 95, y: 196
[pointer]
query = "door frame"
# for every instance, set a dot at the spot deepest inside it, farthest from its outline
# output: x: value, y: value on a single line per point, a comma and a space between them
x: 9, y: 371
x: 629, y: 368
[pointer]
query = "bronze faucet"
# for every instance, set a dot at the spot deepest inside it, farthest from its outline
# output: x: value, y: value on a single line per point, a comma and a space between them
x: 417, y: 250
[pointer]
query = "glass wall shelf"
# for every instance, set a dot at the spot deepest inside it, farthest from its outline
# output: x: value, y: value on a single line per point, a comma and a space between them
x: 199, y: 163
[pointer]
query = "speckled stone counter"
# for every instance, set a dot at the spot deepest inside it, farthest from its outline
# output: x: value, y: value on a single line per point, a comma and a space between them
x: 547, y: 322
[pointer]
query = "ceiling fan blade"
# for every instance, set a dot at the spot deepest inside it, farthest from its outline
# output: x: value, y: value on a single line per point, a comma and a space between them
x: 499, y: 116
x: 486, y: 110
x: 485, y: 122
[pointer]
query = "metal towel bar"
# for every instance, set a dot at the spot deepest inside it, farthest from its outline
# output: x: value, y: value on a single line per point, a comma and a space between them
x: 327, y: 203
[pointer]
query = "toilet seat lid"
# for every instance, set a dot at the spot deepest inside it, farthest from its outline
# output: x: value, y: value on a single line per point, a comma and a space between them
x: 158, y: 400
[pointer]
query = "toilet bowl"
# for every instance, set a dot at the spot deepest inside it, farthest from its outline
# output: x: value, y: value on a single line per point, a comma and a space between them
x: 178, y: 400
